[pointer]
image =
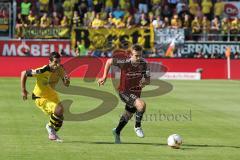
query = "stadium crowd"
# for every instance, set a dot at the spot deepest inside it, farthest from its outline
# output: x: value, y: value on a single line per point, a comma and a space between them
x: 201, y: 19
x: 195, y: 16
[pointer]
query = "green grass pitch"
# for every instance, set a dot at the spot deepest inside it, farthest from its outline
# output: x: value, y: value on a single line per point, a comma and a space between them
x: 208, y: 119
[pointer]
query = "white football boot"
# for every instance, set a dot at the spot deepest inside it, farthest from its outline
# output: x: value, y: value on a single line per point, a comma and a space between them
x: 139, y: 132
x: 52, y: 134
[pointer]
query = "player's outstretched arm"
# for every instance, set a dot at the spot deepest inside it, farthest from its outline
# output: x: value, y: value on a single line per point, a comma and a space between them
x: 23, y: 85
x: 108, y: 64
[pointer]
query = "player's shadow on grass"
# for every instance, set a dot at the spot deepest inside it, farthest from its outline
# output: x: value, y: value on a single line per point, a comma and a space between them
x: 189, y: 146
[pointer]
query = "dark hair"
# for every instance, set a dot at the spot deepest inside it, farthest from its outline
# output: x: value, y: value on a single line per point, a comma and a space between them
x: 137, y: 47
x: 54, y: 55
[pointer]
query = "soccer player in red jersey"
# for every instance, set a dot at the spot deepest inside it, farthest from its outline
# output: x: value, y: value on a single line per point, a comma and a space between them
x: 134, y: 76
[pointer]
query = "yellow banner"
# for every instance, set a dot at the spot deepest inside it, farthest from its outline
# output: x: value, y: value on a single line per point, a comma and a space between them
x: 49, y: 32
x: 113, y: 38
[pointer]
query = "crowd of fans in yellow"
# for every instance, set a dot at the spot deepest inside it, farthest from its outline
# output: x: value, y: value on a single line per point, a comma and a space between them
x: 196, y: 16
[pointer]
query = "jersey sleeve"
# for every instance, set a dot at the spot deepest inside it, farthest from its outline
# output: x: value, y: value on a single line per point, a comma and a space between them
x: 38, y: 71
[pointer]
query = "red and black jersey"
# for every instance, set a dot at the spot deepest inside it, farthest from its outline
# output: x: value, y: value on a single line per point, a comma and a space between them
x: 131, y: 75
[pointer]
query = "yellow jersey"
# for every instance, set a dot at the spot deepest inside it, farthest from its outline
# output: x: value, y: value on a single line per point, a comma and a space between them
x: 225, y: 26
x: 109, y: 3
x: 234, y: 26
x: 45, y: 22
x: 196, y: 26
x: 46, y: 81
x: 193, y: 7
x: 123, y: 4
x: 43, y: 5
x: 206, y: 6
x: 97, y: 23
x: 156, y: 1
x: 206, y: 25
x: 218, y: 8
x: 31, y: 19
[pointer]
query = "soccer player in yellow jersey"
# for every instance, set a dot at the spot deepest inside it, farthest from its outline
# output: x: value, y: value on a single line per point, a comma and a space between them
x: 44, y: 94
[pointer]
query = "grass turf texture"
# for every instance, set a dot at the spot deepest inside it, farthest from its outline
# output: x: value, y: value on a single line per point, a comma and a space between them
x: 212, y: 131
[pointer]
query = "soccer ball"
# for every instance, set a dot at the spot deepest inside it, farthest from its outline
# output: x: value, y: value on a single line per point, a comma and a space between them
x: 174, y: 141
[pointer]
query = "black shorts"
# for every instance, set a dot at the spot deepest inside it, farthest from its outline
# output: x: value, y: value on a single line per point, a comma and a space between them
x: 129, y: 99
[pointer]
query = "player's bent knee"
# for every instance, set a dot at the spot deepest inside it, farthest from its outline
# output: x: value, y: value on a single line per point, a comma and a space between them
x: 140, y: 105
x: 59, y: 110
